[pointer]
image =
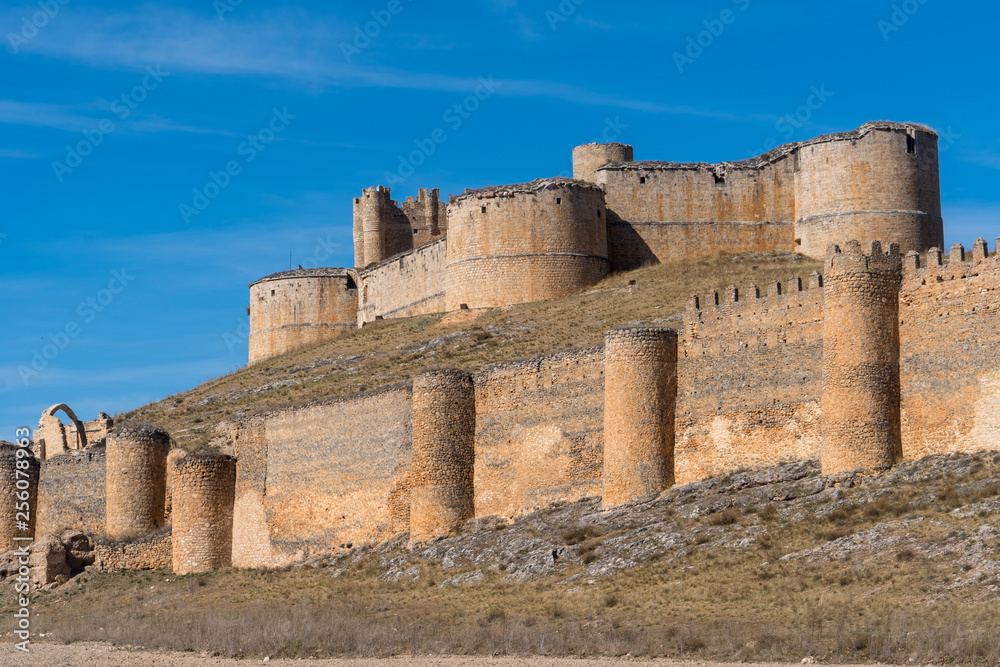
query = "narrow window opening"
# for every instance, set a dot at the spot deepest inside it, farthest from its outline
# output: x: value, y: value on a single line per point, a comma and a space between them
x: 558, y: 201
x: 598, y: 215
x: 642, y: 180
x: 484, y: 209
x: 719, y: 178
x: 272, y: 292
x: 911, y: 144
x: 416, y: 231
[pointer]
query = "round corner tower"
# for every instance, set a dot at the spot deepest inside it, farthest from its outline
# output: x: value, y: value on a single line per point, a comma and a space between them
x: 588, y: 158
x: 203, y: 495
x: 294, y: 309
x: 136, y: 481
x: 528, y: 242
x: 442, y: 494
x: 878, y: 183
x: 640, y: 395
x: 17, y: 491
x: 861, y: 390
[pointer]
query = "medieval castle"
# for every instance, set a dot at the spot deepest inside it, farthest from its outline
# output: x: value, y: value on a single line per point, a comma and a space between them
x: 888, y: 355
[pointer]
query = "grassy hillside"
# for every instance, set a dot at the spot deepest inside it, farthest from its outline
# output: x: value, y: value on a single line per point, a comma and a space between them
x: 777, y: 564
x: 394, y: 350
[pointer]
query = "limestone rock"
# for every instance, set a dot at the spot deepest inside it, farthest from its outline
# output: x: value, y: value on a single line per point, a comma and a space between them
x: 48, y: 562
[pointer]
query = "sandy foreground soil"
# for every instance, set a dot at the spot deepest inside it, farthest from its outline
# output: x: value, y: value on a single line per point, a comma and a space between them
x: 103, y: 655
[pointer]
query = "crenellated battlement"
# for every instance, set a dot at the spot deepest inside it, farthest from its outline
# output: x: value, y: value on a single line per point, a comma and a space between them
x: 853, y: 259
x: 789, y: 312
x: 931, y: 267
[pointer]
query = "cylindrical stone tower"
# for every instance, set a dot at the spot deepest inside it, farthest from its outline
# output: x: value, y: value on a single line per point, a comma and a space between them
x: 640, y: 395
x: 525, y: 242
x: 444, y: 431
x: 878, y: 183
x: 294, y: 309
x: 588, y: 158
x: 136, y: 480
x: 204, y: 490
x: 18, y: 495
x: 861, y: 400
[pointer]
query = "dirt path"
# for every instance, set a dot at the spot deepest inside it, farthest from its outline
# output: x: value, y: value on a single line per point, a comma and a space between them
x: 102, y: 655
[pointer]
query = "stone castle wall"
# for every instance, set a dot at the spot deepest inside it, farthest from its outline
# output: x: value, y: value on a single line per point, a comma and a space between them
x: 383, y: 228
x: 136, y: 480
x: 295, y: 309
x: 406, y: 285
x: 444, y: 434
x: 861, y: 359
x: 750, y: 375
x: 640, y: 380
x: 304, y: 485
x: 539, y: 432
x: 632, y: 245
x: 18, y: 495
x: 879, y: 182
x: 202, y: 531
x: 552, y: 237
x: 71, y: 493
x: 527, y: 242
x: 950, y: 342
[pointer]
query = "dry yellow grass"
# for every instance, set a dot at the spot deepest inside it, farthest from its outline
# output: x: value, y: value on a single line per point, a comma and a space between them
x: 394, y: 350
x: 710, y: 601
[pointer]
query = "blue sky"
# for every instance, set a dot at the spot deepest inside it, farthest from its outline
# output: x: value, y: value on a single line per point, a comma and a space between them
x: 113, y: 115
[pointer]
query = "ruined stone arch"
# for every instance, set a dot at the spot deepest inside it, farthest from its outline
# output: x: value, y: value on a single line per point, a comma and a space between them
x: 53, y: 437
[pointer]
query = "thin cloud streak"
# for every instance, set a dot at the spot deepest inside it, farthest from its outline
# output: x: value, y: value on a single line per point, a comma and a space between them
x: 282, y: 49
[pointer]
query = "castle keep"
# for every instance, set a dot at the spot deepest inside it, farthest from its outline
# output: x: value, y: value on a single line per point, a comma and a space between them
x: 888, y: 355
x: 549, y: 238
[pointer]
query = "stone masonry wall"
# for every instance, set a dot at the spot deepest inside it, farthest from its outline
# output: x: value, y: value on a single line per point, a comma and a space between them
x: 203, y: 494
x: 949, y: 347
x: 18, y: 494
x: 444, y: 434
x: 251, y: 536
x: 861, y: 421
x: 136, y: 479
x: 872, y: 188
x: 525, y: 242
x: 640, y: 380
x: 71, y: 493
x: 153, y: 552
x: 539, y: 432
x: 409, y: 284
x: 338, y: 472
x: 750, y: 376
x: 298, y: 308
x: 635, y: 244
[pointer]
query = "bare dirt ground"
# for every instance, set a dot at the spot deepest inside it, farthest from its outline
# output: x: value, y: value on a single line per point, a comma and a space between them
x: 103, y: 655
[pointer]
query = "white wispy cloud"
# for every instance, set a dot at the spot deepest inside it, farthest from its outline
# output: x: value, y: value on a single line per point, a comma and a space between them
x: 82, y: 117
x: 291, y: 46
x: 15, y: 154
